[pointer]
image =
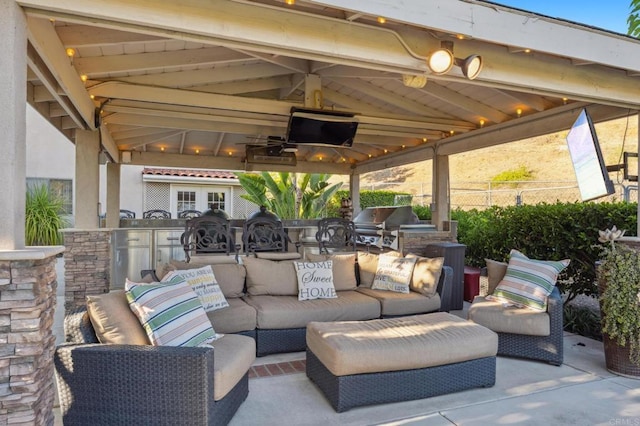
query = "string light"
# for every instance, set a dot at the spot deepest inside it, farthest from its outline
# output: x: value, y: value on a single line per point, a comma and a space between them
x: 162, y: 148
x: 84, y: 78
x: 482, y: 122
x: 519, y: 112
x: 71, y: 52
x: 197, y: 151
x: 381, y: 20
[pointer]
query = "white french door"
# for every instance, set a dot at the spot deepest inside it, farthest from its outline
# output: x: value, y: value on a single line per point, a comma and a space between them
x: 194, y: 197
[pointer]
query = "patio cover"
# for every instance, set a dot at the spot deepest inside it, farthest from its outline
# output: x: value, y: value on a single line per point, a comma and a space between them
x: 188, y: 84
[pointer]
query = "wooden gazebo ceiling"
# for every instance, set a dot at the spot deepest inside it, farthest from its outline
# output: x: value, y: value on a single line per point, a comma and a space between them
x: 190, y: 84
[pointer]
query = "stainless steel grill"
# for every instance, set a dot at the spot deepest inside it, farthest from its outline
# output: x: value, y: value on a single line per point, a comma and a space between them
x: 379, y: 226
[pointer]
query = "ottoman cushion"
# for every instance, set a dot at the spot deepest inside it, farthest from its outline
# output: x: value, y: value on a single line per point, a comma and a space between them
x: 394, y: 344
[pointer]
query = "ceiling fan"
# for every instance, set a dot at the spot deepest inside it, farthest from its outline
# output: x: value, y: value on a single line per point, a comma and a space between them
x: 277, y: 144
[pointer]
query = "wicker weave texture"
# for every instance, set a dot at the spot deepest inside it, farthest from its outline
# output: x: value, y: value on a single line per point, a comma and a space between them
x: 540, y: 348
x: 139, y: 385
x: 345, y: 392
x: 280, y: 340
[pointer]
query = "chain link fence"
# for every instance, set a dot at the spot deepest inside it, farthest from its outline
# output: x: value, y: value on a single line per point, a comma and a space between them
x: 482, y: 195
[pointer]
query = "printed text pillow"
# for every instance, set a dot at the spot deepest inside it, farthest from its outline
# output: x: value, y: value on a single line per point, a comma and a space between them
x: 203, y: 282
x: 394, y: 273
x: 315, y: 280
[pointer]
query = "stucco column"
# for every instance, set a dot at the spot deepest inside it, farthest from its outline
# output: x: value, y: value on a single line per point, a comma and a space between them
x: 87, y: 179
x: 13, y: 105
x: 440, y: 206
x: 354, y: 189
x: 113, y: 195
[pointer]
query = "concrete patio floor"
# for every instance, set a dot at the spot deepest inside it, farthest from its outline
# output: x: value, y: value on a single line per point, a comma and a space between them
x: 580, y: 392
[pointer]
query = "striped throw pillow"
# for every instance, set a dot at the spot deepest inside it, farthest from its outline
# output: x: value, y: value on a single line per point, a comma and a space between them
x: 528, y: 282
x: 171, y: 314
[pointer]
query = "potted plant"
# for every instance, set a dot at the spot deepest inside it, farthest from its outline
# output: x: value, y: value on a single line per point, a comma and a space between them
x: 619, y: 288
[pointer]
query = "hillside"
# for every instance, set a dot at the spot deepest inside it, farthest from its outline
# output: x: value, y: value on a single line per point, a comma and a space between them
x: 546, y: 157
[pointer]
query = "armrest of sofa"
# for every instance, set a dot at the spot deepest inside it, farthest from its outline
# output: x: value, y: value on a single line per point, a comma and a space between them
x: 107, y: 384
x: 555, y: 309
x: 444, y: 288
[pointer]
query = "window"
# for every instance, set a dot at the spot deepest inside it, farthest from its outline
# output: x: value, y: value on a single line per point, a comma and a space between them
x: 186, y: 200
x: 62, y: 188
x: 217, y: 200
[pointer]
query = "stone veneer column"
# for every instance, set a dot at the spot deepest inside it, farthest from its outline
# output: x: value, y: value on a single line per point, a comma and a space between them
x: 27, y: 302
x: 87, y: 262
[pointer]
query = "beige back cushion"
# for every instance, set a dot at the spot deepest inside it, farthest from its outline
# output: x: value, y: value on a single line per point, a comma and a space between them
x: 113, y: 321
x: 278, y: 255
x: 495, y: 273
x: 344, y: 269
x: 268, y: 277
x: 229, y: 276
x: 426, y: 274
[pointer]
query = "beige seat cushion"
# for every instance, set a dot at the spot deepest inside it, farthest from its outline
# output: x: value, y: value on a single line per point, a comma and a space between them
x: 233, y: 356
x: 344, y: 269
x: 493, y: 315
x: 394, y: 303
x: 237, y: 317
x: 113, y: 320
x: 289, y: 312
x: 269, y: 277
x: 394, y: 344
x: 229, y: 276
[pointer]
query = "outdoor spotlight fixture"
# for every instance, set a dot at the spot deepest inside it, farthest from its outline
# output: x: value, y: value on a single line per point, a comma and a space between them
x: 442, y: 60
x: 471, y: 66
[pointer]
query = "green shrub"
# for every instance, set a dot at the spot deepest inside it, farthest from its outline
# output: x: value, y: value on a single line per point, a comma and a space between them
x: 545, y: 231
x: 583, y: 321
x: 368, y: 198
x: 423, y: 212
x: 513, y: 175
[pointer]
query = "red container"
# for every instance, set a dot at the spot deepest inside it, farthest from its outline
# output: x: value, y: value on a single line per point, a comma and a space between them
x: 471, y: 283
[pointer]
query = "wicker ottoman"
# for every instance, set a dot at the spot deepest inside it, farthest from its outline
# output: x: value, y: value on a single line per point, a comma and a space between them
x: 358, y: 363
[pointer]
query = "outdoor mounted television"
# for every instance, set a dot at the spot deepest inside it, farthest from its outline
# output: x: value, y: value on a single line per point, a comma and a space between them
x: 320, y: 127
x: 586, y: 156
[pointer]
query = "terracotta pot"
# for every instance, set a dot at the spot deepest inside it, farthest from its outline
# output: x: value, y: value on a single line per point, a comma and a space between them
x: 617, y: 359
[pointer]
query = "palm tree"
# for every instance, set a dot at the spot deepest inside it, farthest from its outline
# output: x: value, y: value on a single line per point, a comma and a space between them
x: 634, y: 19
x: 289, y: 195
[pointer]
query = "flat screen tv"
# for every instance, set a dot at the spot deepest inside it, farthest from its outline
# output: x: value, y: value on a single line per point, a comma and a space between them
x: 586, y: 156
x: 319, y: 127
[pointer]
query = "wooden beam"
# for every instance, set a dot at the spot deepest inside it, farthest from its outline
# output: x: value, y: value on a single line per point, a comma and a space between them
x: 98, y: 66
x: 47, y: 58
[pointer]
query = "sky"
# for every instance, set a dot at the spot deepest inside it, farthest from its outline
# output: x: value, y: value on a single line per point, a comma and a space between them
x: 607, y: 14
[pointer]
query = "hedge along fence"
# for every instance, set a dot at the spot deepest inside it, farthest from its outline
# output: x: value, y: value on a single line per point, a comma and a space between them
x: 368, y: 198
x: 547, y: 232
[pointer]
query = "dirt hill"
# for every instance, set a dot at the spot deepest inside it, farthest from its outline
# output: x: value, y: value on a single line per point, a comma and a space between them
x: 546, y: 157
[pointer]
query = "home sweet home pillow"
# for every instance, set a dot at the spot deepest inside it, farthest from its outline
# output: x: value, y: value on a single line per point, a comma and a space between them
x: 315, y: 280
x: 394, y: 273
x: 203, y: 282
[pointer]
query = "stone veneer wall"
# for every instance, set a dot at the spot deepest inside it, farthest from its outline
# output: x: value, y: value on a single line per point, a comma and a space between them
x: 87, y: 262
x: 27, y: 303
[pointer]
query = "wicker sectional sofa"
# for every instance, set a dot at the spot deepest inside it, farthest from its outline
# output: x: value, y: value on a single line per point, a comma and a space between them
x: 263, y: 302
